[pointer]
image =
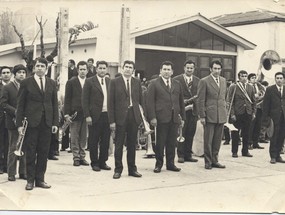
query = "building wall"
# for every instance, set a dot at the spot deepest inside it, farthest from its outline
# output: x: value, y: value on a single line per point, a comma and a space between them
x: 267, y: 36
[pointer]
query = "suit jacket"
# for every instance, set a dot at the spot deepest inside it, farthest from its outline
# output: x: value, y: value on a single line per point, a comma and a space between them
x: 188, y: 93
x: 161, y: 102
x: 93, y: 98
x: 9, y: 103
x: 2, y: 115
x: 32, y: 103
x: 212, y: 100
x: 73, y: 98
x: 91, y: 72
x: 118, y: 100
x: 240, y: 103
x: 273, y: 104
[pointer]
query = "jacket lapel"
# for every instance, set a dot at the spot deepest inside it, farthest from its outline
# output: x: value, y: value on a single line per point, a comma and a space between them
x: 123, y: 84
x: 97, y: 84
x: 163, y: 85
x: 36, y: 85
x: 214, y: 84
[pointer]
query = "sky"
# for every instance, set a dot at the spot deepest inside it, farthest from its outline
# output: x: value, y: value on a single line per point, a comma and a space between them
x: 142, y: 12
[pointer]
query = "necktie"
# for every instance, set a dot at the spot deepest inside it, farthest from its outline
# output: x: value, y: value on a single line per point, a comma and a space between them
x: 254, y: 88
x: 42, y: 86
x: 102, y: 81
x: 217, y: 80
x: 128, y: 89
x: 167, y: 84
x: 280, y: 91
x: 190, y: 84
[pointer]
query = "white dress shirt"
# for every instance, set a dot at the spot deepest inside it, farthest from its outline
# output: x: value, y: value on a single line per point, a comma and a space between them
x: 130, y: 86
x: 37, y: 78
x: 104, y: 90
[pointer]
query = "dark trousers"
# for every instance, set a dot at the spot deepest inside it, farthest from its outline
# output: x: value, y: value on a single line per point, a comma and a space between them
x: 99, y: 134
x: 65, y: 140
x: 212, y: 142
x: 54, y: 145
x: 276, y: 141
x: 4, y: 145
x: 37, y: 143
x: 184, y: 150
x: 166, y: 138
x: 255, y: 128
x: 227, y: 134
x: 129, y: 128
x: 242, y: 122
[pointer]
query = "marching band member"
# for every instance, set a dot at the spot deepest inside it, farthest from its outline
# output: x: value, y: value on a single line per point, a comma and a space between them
x: 242, y: 112
x: 72, y: 105
x: 94, y: 103
x: 165, y: 103
x: 212, y: 112
x: 37, y: 101
x: 9, y: 104
x: 189, y: 83
x: 124, y: 98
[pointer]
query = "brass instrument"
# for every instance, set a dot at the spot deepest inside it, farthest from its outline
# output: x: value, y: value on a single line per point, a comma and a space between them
x: 180, y: 138
x: 189, y: 103
x: 144, y: 130
x: 21, y: 138
x: 150, y: 152
x: 67, y: 123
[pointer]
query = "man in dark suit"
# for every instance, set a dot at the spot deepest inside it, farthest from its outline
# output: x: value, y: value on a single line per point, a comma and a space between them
x: 242, y: 112
x: 212, y: 112
x: 5, y: 76
x: 91, y: 68
x: 73, y: 104
x: 37, y: 101
x: 94, y: 103
x: 9, y: 103
x: 124, y: 98
x: 165, y: 103
x: 274, y: 108
x: 189, y: 83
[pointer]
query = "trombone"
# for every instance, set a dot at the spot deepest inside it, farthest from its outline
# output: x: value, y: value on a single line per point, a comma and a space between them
x: 21, y: 137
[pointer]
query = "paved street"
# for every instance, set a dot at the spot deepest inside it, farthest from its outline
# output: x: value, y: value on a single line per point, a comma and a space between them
x: 246, y: 185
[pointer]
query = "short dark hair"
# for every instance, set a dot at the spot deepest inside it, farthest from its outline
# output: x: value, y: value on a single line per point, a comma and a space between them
x: 167, y: 63
x: 189, y: 62
x: 90, y: 59
x: 129, y: 62
x: 216, y: 62
x: 5, y: 67
x: 40, y: 60
x: 101, y: 62
x: 279, y: 73
x: 18, y: 68
x: 241, y: 72
x: 81, y: 63
x: 118, y: 75
x: 72, y: 61
x: 49, y: 58
x: 250, y: 75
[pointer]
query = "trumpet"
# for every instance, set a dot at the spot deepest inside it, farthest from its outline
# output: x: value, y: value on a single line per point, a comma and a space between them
x: 180, y: 138
x: 150, y: 152
x: 67, y: 123
x: 21, y: 137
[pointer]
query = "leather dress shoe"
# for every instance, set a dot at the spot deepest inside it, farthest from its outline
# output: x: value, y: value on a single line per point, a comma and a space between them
x: 258, y: 147
x: 53, y: 158
x: 250, y: 147
x: 76, y: 163
x: 226, y: 143
x: 190, y: 159
x: 96, y: 168
x: 1, y: 171
x: 157, y: 169
x: 273, y: 161
x: 105, y: 167
x: 11, y: 178
x: 218, y: 165
x: 135, y: 174
x: 173, y: 168
x: 117, y: 175
x: 263, y: 141
x: 23, y: 176
x: 42, y: 184
x: 84, y: 163
x: 29, y: 186
x: 280, y: 160
x: 208, y: 166
x: 235, y: 155
x: 247, y: 155
x: 181, y: 160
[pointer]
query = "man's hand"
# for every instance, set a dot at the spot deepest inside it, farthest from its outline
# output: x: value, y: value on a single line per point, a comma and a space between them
x: 89, y: 120
x: 233, y: 118
x: 67, y: 118
x: 113, y: 127
x: 182, y: 123
x: 153, y: 122
x: 203, y: 121
x: 54, y: 129
x: 253, y: 117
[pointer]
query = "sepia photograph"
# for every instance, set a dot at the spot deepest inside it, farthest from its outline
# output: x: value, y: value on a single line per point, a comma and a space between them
x: 142, y: 107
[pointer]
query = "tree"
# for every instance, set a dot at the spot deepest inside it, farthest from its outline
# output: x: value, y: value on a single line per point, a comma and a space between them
x: 6, y: 30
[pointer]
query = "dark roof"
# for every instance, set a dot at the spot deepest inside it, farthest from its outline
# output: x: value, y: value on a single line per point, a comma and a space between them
x: 250, y: 17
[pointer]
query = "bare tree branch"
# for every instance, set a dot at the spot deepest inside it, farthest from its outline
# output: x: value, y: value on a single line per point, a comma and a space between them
x: 42, y: 36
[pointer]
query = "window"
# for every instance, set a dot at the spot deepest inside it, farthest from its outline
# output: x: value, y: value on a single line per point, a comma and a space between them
x: 142, y: 39
x: 194, y: 36
x: 229, y: 47
x: 156, y: 38
x: 228, y: 63
x: 169, y: 35
x: 182, y: 35
x: 206, y: 40
x: 204, y: 62
x: 218, y: 43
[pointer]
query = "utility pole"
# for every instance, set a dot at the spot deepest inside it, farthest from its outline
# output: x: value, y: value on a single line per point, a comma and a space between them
x: 125, y: 36
x: 63, y: 50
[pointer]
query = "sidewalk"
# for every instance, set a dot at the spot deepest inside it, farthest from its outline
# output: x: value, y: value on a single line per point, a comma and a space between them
x: 246, y: 185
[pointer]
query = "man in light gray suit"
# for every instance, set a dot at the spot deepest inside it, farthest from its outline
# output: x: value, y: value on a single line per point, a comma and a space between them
x: 212, y: 112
